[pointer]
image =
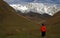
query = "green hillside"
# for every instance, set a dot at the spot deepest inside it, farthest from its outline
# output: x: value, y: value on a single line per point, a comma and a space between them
x: 11, y: 23
x: 53, y: 26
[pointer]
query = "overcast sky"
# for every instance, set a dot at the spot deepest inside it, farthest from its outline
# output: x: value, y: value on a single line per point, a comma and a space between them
x: 43, y: 1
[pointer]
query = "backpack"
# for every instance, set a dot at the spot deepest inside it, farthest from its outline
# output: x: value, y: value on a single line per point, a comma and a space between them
x: 43, y: 28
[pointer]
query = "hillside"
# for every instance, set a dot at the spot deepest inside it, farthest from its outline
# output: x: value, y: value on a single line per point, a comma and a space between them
x: 11, y: 23
x: 53, y: 25
x: 54, y: 19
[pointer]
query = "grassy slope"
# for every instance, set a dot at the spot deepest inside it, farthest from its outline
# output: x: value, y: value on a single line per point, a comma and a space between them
x: 54, y: 26
x: 11, y: 23
x: 54, y: 19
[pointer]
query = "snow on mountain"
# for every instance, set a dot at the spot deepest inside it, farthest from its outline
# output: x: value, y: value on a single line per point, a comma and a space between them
x: 37, y: 8
x: 19, y: 7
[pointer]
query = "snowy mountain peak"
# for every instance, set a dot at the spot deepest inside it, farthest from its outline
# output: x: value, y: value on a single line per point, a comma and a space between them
x: 37, y: 8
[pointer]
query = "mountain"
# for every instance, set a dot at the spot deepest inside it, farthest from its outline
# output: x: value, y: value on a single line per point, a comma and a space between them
x: 55, y: 19
x: 36, y: 11
x: 35, y: 16
x: 11, y: 23
x: 41, y: 8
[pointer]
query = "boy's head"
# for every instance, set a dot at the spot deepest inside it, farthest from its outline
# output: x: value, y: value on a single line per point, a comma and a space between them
x: 43, y: 24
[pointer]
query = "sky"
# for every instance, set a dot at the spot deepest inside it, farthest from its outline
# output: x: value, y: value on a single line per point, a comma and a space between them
x: 42, y: 1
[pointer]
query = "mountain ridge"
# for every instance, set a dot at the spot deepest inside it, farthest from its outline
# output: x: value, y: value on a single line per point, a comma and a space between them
x: 37, y: 7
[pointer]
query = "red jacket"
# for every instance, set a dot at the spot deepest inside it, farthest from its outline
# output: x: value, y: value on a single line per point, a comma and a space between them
x: 43, y: 28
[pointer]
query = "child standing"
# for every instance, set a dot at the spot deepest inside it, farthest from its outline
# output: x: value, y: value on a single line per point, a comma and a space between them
x: 43, y: 31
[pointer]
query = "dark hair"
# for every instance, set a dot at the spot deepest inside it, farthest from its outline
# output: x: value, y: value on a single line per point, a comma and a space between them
x: 43, y: 24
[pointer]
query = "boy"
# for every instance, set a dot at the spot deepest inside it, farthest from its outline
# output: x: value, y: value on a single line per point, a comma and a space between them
x: 43, y: 30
